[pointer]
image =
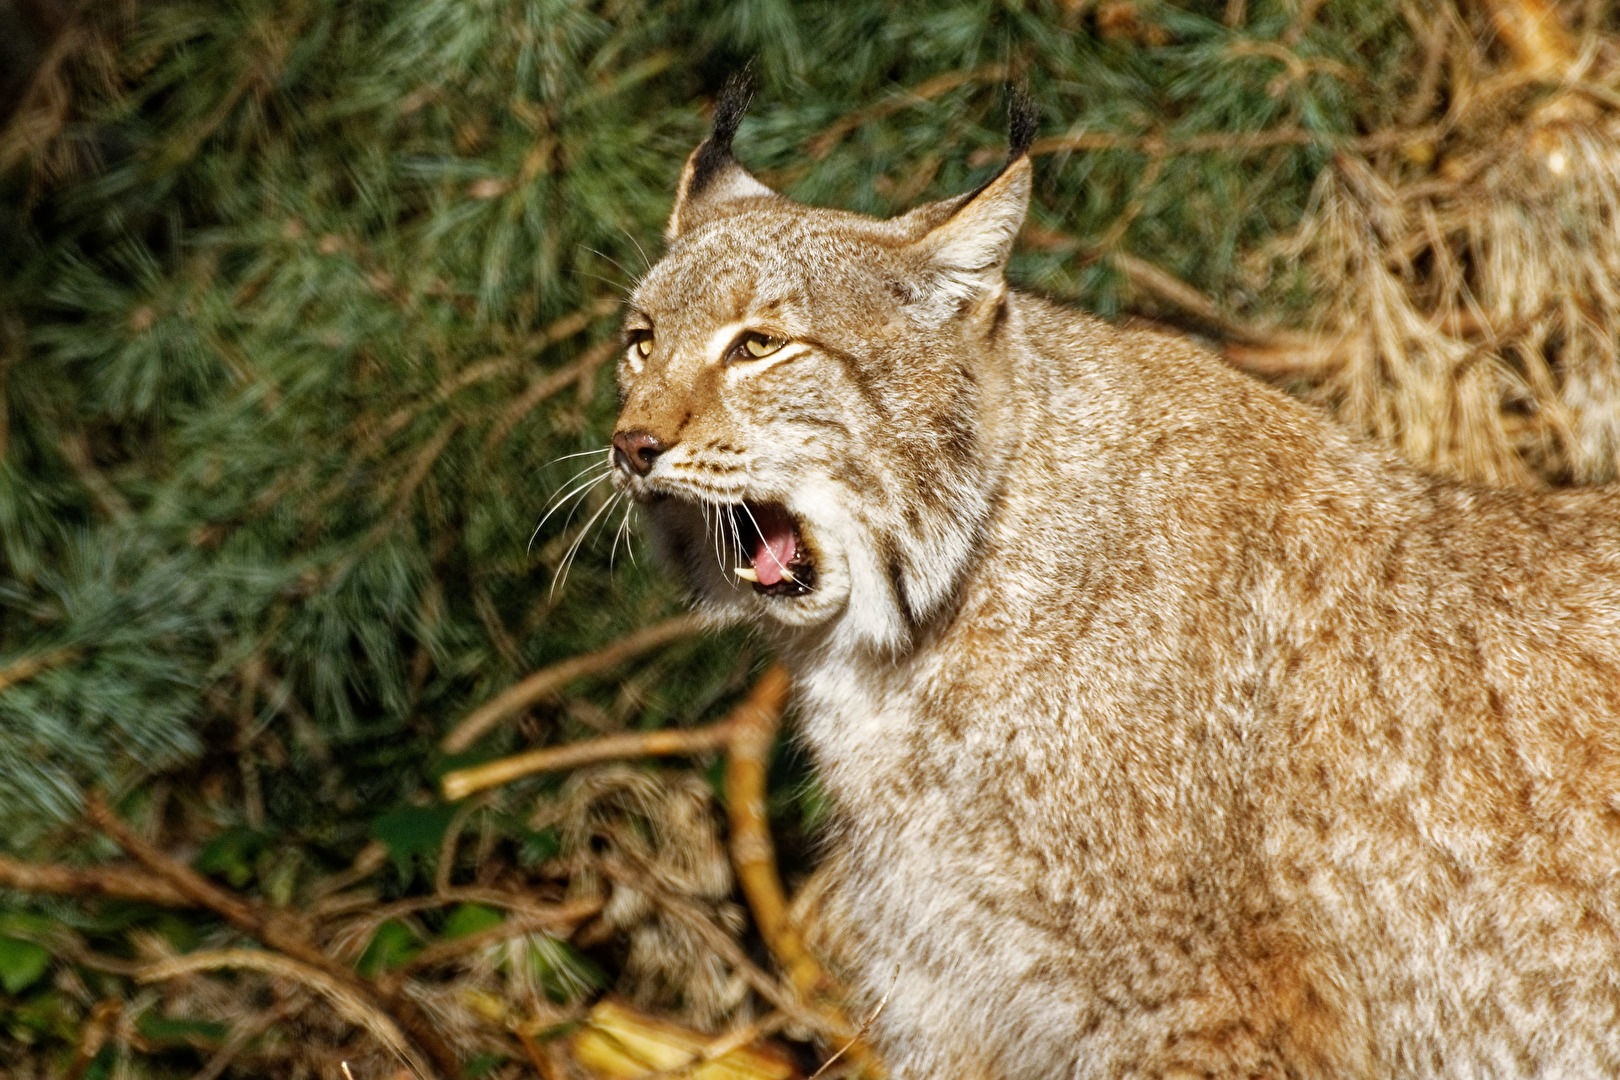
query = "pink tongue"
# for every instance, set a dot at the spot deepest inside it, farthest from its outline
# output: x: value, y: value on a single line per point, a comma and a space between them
x: 776, y: 548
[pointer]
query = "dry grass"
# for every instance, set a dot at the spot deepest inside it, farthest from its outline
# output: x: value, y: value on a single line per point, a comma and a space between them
x: 1469, y: 310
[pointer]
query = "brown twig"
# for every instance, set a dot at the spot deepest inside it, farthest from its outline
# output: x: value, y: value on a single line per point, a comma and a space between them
x: 242, y: 1033
x: 27, y: 667
x: 463, y: 782
x: 540, y: 1056
x: 548, y: 681
x: 279, y: 933
x: 753, y: 726
x: 826, y: 1021
x: 108, y: 499
x: 116, y: 882
x: 94, y: 1036
x: 1272, y: 353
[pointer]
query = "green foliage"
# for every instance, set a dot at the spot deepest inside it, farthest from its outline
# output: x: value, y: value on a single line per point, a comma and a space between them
x: 392, y: 945
x: 22, y: 964
x: 410, y: 832
x: 307, y: 315
x: 468, y: 919
x: 270, y: 473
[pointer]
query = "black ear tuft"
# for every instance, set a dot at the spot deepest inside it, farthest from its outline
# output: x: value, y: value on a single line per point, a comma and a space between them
x: 728, y: 114
x: 1022, y: 120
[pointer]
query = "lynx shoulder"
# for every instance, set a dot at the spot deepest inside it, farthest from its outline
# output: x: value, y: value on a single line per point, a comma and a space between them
x: 1172, y: 730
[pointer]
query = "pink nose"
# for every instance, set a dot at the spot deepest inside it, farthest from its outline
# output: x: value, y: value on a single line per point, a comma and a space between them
x: 636, y: 450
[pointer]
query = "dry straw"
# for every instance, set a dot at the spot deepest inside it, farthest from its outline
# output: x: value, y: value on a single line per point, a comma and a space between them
x: 1470, y: 310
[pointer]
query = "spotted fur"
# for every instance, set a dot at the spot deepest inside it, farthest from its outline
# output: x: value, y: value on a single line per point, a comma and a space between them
x: 1173, y: 731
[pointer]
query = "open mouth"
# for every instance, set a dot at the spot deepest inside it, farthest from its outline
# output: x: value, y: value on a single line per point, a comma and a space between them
x: 778, y: 563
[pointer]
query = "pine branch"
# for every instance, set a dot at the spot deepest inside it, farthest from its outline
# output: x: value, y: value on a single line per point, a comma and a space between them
x: 27, y: 667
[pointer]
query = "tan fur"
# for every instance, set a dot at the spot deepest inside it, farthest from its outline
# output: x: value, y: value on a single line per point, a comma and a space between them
x: 1172, y: 730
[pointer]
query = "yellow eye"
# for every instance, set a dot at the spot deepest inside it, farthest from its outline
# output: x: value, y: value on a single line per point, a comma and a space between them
x: 644, y: 346
x: 758, y: 345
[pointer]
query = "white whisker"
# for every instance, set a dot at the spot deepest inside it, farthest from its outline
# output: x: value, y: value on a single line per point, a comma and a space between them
x: 568, y: 560
x: 623, y: 531
x: 565, y: 457
x: 558, y: 503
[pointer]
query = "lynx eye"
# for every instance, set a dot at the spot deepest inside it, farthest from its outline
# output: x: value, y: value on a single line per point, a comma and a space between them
x: 755, y: 345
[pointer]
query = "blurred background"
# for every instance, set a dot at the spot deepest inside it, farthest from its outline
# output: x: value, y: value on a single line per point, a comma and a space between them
x: 308, y: 313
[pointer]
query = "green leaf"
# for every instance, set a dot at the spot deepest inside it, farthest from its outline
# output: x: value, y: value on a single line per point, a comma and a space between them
x: 566, y: 974
x: 22, y: 963
x: 483, y: 1065
x: 535, y: 848
x: 393, y: 944
x: 409, y: 831
x: 232, y: 855
x: 181, y: 1030
x: 469, y: 919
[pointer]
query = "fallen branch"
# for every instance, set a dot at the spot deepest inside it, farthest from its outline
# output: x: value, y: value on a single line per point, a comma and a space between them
x: 747, y: 734
x: 117, y: 882
x: 753, y: 726
x: 279, y: 932
x: 548, y: 681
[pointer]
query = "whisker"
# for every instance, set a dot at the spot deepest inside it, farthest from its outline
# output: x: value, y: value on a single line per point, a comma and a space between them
x: 646, y: 263
x: 629, y: 540
x: 622, y: 530
x: 736, y: 538
x: 714, y: 533
x: 558, y: 503
x: 565, y: 457
x: 586, y: 471
x: 624, y: 293
x: 610, y: 259
x: 568, y: 560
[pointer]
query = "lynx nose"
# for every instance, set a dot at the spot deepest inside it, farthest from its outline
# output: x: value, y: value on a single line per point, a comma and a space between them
x: 636, y: 450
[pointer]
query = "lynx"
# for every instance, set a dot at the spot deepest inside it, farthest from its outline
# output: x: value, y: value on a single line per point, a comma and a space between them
x: 1173, y: 730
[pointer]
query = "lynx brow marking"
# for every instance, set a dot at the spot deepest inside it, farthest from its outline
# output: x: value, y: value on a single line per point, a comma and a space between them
x: 721, y: 340
x: 755, y: 365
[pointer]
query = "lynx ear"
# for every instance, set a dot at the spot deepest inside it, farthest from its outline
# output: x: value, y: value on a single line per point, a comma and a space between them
x: 968, y: 250
x: 712, y: 176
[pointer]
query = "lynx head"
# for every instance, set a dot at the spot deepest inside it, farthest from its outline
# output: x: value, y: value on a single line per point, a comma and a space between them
x: 811, y: 397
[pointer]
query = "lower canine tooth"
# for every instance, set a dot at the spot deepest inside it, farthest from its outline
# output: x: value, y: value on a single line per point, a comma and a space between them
x: 746, y: 573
